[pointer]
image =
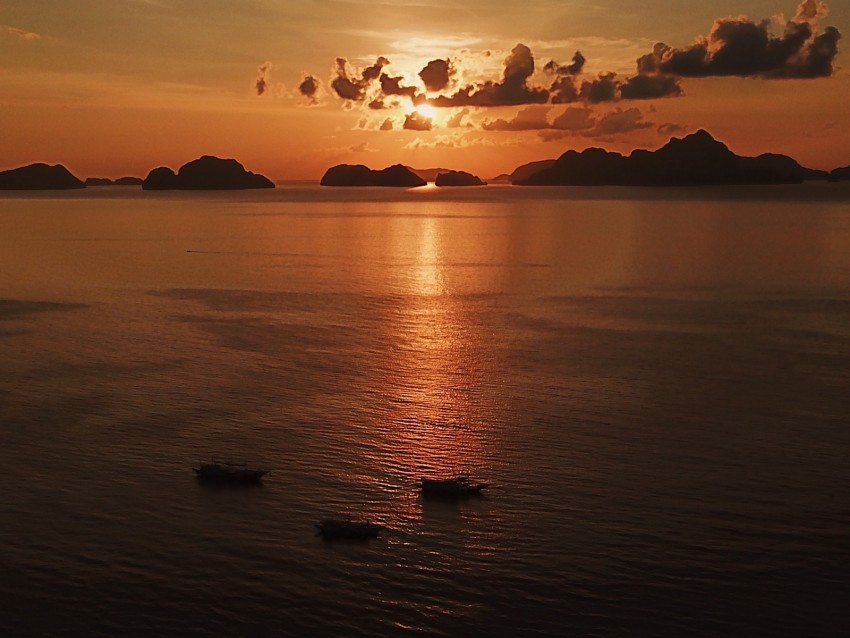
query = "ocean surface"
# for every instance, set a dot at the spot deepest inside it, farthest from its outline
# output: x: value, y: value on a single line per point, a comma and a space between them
x: 655, y: 382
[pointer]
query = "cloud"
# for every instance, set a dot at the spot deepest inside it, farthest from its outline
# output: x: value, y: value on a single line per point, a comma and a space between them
x: 617, y: 122
x: 454, y: 141
x: 27, y: 36
x: 392, y: 86
x: 602, y: 89
x: 512, y: 90
x: 362, y: 147
x: 574, y: 68
x: 532, y: 118
x: 416, y: 122
x: 738, y: 46
x: 263, y: 78
x: 574, y: 119
x: 456, y: 120
x: 387, y: 125
x: 351, y: 88
x: 649, y: 87
x: 437, y: 74
x: 309, y: 88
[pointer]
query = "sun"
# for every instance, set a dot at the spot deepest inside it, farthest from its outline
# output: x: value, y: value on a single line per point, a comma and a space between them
x: 426, y: 110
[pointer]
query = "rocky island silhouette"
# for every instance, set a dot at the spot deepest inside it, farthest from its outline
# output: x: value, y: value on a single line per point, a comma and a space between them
x: 206, y: 173
x: 458, y: 178
x: 39, y: 177
x: 697, y: 159
x: 360, y: 175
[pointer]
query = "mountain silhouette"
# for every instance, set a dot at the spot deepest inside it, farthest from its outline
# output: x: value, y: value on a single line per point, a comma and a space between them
x: 697, y: 159
x: 206, y: 173
x: 39, y: 177
x: 359, y: 175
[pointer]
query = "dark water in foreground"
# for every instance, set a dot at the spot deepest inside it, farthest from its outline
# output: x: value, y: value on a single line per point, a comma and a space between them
x: 657, y: 386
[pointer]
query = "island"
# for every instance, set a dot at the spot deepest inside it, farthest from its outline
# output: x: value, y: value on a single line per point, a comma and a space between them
x: 522, y: 173
x: 359, y: 175
x: 697, y: 159
x: 458, y: 178
x: 840, y: 174
x: 206, y: 173
x: 39, y: 177
x: 121, y: 181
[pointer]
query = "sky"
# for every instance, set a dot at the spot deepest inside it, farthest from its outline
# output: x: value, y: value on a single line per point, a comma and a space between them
x: 117, y: 87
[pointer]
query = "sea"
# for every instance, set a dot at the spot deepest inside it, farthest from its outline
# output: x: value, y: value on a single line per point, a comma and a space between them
x: 654, y: 382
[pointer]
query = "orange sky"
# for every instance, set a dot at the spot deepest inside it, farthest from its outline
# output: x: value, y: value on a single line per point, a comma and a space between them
x: 117, y: 87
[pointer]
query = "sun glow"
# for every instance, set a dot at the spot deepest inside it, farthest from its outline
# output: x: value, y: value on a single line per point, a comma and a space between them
x: 426, y: 110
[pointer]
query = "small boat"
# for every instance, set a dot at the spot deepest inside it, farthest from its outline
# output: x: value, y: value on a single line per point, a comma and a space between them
x: 331, y: 528
x: 220, y: 472
x: 454, y: 487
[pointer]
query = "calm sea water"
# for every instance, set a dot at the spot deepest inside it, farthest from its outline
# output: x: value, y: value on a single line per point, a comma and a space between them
x: 657, y: 383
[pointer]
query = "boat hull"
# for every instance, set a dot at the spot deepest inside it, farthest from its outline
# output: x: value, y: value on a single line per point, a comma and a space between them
x: 218, y: 473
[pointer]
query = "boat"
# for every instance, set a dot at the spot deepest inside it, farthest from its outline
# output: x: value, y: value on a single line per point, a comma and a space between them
x: 454, y: 487
x: 332, y: 528
x: 220, y: 472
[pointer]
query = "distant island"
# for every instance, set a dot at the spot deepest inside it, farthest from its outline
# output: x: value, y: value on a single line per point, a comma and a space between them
x: 697, y: 159
x: 359, y: 175
x: 121, y: 181
x: 840, y: 174
x: 458, y: 178
x: 206, y: 173
x: 39, y: 177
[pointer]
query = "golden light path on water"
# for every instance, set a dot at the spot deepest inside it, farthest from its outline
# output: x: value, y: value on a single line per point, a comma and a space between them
x: 431, y: 411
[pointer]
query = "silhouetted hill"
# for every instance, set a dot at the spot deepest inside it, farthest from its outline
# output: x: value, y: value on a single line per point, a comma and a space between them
x: 525, y: 171
x: 840, y: 174
x: 783, y: 165
x: 128, y: 181
x: 503, y: 178
x: 121, y: 181
x: 458, y: 178
x: 697, y: 159
x: 39, y: 177
x: 359, y: 175
x: 206, y: 173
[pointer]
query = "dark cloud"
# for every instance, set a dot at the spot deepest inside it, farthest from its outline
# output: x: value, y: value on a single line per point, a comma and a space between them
x: 564, y: 90
x: 574, y: 68
x: 263, y: 78
x: 387, y: 125
x: 649, y: 87
x: 416, y: 122
x: 740, y: 47
x: 377, y: 105
x: 602, y: 89
x: 513, y: 90
x: 350, y: 87
x: 392, y: 86
x: 309, y: 88
x: 437, y: 74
